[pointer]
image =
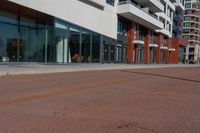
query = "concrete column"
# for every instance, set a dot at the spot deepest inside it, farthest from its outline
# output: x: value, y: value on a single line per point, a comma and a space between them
x: 130, y: 44
x: 174, y: 55
x: 147, y: 40
x: 159, y: 37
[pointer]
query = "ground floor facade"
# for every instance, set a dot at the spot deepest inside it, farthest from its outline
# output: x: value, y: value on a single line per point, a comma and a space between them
x: 32, y: 36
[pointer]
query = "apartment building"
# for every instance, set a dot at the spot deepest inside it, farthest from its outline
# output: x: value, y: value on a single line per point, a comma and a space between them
x: 191, y: 29
x: 178, y: 42
x: 86, y: 31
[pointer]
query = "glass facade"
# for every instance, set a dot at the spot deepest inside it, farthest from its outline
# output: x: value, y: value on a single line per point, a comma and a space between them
x: 75, y: 44
x: 8, y: 37
x: 25, y: 40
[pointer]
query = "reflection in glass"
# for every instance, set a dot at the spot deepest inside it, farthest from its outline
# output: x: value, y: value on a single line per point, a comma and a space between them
x: 24, y: 39
x: 28, y: 49
x: 112, y: 53
x: 106, y: 53
x: 61, y: 43
x: 95, y: 47
x: 45, y: 46
x: 8, y: 42
x: 74, y: 44
x: 85, y: 47
x: 8, y: 37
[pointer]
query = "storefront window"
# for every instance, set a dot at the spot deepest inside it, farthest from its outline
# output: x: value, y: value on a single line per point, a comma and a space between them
x: 8, y: 37
x: 24, y: 39
x: 28, y: 49
x: 74, y: 44
x: 96, y: 40
x: 85, y: 46
x: 61, y: 42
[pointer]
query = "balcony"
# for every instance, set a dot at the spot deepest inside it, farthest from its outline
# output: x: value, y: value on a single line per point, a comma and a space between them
x: 135, y: 13
x: 179, y: 5
x: 154, y: 5
x: 139, y: 40
x: 164, y: 16
x: 165, y: 32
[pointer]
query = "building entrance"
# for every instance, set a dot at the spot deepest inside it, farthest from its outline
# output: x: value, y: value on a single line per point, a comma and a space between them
x: 109, y: 53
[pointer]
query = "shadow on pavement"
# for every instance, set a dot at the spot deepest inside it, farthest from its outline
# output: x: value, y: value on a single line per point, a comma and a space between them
x: 165, y: 76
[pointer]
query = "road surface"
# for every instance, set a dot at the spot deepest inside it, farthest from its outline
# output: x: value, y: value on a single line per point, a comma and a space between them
x: 165, y: 100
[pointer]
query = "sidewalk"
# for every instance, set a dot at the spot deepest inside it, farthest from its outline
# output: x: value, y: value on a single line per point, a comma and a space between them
x: 41, y: 68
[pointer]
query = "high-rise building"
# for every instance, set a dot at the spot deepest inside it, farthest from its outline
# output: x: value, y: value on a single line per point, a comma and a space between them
x: 191, y: 29
x: 106, y: 31
x: 177, y: 35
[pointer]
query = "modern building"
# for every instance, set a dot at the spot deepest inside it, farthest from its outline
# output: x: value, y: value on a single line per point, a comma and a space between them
x: 178, y: 42
x: 191, y: 29
x: 104, y: 31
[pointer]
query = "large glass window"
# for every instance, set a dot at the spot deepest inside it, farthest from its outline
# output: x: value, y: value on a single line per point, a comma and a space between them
x: 85, y: 46
x: 61, y: 39
x: 45, y: 43
x: 8, y: 37
x: 122, y: 27
x: 28, y: 49
x: 24, y: 39
x: 74, y: 44
x: 36, y: 39
x: 96, y: 40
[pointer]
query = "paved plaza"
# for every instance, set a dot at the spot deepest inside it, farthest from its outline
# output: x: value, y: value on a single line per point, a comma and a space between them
x: 157, y: 100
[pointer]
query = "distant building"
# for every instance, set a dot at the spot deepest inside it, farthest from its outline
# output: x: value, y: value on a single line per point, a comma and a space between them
x: 191, y: 29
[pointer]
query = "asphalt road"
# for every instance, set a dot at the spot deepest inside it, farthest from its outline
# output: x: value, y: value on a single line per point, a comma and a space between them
x: 165, y: 100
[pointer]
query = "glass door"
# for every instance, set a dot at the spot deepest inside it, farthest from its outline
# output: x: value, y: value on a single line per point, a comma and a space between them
x: 152, y: 55
x: 112, y: 53
x: 106, y: 53
x: 163, y: 56
x: 140, y: 55
x: 119, y: 55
